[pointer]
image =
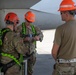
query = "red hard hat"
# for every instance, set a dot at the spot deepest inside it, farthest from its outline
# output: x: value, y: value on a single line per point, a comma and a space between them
x: 30, y: 16
x: 12, y: 17
x: 67, y: 5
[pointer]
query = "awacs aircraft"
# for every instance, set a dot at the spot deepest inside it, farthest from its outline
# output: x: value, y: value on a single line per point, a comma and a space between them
x: 47, y: 15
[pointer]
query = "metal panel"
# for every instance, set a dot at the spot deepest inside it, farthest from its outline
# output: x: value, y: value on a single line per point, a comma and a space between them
x: 43, y: 20
x: 17, y: 4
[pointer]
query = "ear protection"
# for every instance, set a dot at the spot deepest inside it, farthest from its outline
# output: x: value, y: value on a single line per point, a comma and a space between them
x: 9, y: 22
x: 11, y: 18
x: 17, y: 22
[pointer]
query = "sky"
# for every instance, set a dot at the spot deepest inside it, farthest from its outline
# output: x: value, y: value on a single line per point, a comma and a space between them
x: 49, y: 6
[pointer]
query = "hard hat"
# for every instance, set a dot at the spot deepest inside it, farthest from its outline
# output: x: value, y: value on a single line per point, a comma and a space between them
x: 67, y: 5
x: 30, y: 16
x: 12, y: 17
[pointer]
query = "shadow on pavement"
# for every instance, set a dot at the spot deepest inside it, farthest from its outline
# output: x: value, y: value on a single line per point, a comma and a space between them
x: 44, y: 64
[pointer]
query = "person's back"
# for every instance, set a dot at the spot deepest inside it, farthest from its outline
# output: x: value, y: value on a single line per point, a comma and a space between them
x: 12, y: 45
x: 68, y: 44
x: 64, y: 47
x: 12, y: 48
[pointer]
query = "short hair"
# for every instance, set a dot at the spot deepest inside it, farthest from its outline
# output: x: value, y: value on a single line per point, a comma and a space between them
x: 9, y: 22
x: 72, y: 12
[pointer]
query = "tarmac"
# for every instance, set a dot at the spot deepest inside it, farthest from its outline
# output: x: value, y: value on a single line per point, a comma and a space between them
x: 45, y: 61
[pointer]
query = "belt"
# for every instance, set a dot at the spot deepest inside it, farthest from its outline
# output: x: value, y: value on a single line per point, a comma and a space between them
x: 66, y: 61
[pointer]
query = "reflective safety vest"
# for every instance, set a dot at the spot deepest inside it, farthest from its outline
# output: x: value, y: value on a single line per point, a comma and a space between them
x: 24, y: 31
x: 2, y: 34
x: 15, y: 59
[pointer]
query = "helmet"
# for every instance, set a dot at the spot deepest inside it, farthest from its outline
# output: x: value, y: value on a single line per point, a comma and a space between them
x: 67, y: 5
x: 30, y: 16
x: 12, y: 17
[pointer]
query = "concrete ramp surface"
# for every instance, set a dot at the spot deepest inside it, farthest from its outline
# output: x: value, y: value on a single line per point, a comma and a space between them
x: 44, y: 63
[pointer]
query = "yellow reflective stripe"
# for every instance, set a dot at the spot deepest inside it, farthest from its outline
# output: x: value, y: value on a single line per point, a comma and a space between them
x: 24, y: 28
x: 0, y: 37
x: 0, y: 42
x: 33, y: 29
x: 5, y: 30
x: 12, y: 57
x: 21, y: 58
